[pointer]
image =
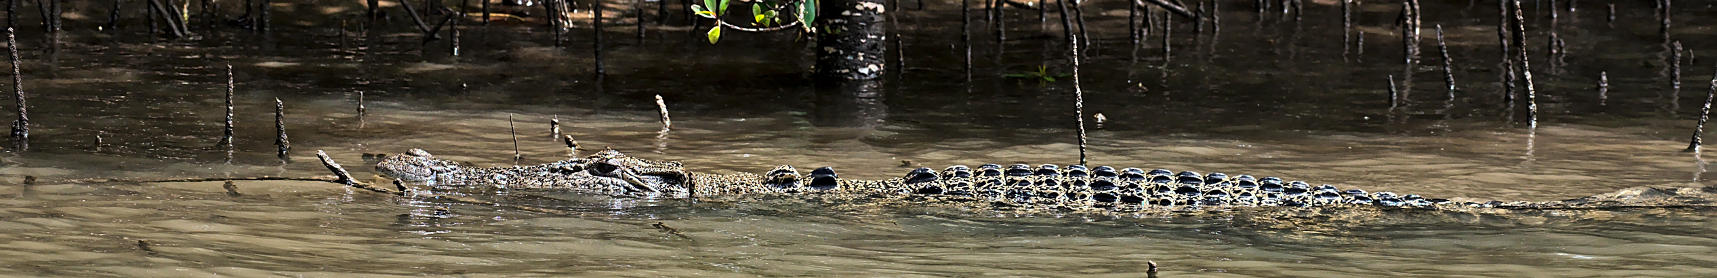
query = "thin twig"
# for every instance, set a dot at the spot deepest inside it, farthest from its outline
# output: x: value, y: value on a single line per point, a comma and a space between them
x: 517, y: 156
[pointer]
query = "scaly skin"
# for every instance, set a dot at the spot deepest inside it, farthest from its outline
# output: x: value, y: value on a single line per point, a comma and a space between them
x: 1072, y: 187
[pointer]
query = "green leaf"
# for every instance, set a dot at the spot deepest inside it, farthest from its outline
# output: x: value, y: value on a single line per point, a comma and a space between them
x: 723, y: 9
x: 757, y: 13
x: 714, y: 34
x: 710, y: 5
x: 807, y: 14
x: 701, y: 11
x: 1049, y: 78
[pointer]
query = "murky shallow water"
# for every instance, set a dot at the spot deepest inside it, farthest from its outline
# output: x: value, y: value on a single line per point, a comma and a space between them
x: 1266, y: 99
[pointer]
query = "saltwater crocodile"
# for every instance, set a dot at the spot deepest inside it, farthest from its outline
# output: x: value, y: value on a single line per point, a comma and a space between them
x: 1071, y: 187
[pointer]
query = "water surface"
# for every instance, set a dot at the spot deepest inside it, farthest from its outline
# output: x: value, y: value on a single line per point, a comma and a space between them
x: 1266, y: 97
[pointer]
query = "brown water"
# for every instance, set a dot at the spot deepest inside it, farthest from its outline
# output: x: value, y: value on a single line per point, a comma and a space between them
x: 1267, y: 98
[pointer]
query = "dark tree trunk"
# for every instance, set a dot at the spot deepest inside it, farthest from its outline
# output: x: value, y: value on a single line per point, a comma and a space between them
x: 850, y: 40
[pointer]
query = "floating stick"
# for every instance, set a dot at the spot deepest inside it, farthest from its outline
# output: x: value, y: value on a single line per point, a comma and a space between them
x: 1704, y: 114
x: 21, y: 127
x: 280, y: 141
x: 342, y: 177
x: 662, y: 107
x: 1448, y: 64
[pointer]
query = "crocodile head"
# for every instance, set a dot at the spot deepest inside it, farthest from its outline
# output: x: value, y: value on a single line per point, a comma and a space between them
x: 608, y: 172
x: 415, y: 165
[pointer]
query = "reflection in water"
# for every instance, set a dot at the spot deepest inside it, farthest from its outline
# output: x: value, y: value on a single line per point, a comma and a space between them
x: 857, y: 103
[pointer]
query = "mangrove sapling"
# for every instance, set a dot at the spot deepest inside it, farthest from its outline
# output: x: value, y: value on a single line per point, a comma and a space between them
x: 227, y: 139
x: 662, y: 108
x: 21, y: 127
x: 1704, y: 115
x: 1603, y: 88
x: 283, y: 145
x: 1448, y: 64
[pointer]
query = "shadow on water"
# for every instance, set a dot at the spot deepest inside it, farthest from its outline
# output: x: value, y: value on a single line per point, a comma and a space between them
x: 1265, y: 92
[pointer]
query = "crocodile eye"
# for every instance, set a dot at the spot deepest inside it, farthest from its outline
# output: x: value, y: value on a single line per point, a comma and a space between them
x: 603, y: 168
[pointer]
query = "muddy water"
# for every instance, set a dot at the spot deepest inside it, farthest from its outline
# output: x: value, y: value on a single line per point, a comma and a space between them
x: 1268, y: 97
